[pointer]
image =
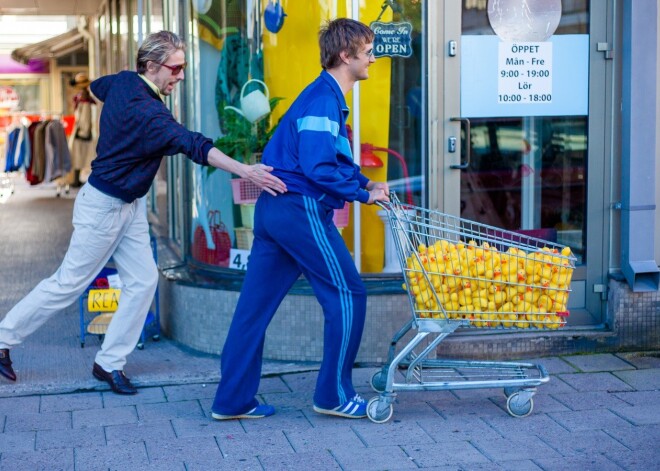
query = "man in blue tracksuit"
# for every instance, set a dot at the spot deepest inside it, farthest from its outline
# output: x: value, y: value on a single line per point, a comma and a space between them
x: 294, y: 233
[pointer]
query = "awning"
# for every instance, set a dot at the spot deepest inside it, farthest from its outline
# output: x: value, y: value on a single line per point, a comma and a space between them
x: 57, y: 46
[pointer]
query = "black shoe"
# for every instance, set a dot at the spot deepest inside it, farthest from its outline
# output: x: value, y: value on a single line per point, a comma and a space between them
x: 116, y: 379
x: 5, y: 365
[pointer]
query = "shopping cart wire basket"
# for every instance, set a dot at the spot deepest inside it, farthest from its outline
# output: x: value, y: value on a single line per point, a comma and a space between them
x: 463, y: 274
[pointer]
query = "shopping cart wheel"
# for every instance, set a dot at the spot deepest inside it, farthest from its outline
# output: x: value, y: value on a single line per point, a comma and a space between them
x: 508, y: 392
x: 156, y: 337
x: 519, y: 405
x: 379, y: 381
x: 140, y: 346
x: 379, y: 411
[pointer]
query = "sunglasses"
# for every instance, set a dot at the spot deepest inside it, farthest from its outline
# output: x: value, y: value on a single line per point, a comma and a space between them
x: 176, y: 69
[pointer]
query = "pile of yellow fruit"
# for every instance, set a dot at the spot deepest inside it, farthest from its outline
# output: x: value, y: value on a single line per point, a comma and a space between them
x: 490, y: 288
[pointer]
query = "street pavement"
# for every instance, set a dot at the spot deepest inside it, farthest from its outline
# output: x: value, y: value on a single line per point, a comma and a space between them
x: 597, y: 412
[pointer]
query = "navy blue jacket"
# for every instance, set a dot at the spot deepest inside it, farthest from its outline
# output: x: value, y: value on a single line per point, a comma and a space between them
x: 310, y: 150
x: 136, y: 131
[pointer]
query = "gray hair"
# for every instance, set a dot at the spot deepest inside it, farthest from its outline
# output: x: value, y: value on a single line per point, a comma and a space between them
x: 158, y: 47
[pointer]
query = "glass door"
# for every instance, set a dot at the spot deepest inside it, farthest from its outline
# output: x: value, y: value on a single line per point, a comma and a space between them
x: 525, y: 130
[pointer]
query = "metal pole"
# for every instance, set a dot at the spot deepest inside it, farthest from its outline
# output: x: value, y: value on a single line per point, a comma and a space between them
x: 357, y: 223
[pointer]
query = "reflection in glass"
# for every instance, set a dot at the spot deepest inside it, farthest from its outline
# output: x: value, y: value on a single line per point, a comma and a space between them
x: 407, y: 110
x: 529, y: 175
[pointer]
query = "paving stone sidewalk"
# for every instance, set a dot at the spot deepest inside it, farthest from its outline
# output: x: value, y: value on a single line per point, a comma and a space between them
x: 598, y: 412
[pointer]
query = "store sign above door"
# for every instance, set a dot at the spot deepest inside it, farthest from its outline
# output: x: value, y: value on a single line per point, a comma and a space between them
x: 392, y: 39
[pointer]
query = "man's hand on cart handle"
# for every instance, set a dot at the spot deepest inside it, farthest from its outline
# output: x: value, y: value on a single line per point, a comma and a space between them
x: 378, y: 191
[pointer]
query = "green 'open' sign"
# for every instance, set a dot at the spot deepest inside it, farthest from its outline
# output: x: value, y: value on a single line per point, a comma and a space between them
x: 392, y: 39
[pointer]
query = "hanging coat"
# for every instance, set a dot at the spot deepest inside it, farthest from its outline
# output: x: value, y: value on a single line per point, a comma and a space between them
x: 82, y: 143
x: 58, y: 158
x: 11, y: 148
x: 34, y: 149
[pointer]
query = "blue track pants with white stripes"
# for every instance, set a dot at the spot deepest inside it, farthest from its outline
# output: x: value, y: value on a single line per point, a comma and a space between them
x: 293, y: 234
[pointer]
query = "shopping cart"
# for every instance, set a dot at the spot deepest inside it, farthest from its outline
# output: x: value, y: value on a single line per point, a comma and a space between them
x: 462, y: 274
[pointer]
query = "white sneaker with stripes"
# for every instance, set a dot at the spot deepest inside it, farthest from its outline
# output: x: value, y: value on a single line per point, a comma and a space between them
x: 356, y: 408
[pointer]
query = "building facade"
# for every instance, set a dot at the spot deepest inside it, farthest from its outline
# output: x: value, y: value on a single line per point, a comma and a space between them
x: 470, y: 110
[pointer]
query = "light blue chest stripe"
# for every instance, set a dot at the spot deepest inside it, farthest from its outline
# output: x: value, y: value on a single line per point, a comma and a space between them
x: 345, y: 295
x: 343, y: 146
x: 318, y: 123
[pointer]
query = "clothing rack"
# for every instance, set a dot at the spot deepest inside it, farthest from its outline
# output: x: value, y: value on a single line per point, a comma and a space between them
x: 37, y: 145
x: 35, y: 115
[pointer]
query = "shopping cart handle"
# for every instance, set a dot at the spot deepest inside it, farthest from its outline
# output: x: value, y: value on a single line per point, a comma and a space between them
x: 385, y: 205
x: 389, y: 205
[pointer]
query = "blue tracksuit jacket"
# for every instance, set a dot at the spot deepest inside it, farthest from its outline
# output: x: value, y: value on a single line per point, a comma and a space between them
x: 310, y: 150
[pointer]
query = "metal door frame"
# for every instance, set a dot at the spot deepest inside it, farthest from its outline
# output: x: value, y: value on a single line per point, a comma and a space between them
x: 590, y: 280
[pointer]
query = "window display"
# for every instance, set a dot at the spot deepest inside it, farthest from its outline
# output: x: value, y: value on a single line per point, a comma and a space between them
x: 255, y: 57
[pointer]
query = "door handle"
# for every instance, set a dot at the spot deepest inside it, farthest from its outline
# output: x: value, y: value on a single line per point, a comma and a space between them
x: 466, y: 163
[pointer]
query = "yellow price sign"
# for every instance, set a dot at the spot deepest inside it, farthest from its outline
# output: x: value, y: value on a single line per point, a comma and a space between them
x: 103, y: 300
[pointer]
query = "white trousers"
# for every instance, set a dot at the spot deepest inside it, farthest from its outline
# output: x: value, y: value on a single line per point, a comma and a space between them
x: 104, y: 227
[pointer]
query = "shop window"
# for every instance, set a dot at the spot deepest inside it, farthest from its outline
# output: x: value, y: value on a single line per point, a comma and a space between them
x: 241, y: 52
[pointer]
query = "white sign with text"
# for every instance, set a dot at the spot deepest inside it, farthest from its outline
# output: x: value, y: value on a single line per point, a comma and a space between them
x: 524, y: 73
x: 506, y: 79
x: 238, y: 259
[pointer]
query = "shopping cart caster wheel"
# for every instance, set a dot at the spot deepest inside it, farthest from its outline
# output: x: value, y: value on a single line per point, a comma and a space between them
x: 156, y: 338
x: 519, y: 406
x: 379, y: 381
x: 82, y: 344
x: 140, y: 346
x: 508, y: 392
x: 377, y: 413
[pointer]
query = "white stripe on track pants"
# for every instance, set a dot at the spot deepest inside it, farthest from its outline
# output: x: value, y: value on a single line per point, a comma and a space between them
x: 294, y: 234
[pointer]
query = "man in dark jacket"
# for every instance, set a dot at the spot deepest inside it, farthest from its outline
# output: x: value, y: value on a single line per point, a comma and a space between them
x: 109, y: 215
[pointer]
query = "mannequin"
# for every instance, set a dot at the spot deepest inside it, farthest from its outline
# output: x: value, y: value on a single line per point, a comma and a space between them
x: 83, y: 138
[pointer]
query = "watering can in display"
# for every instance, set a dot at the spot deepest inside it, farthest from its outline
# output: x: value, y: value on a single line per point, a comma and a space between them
x: 254, y: 105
